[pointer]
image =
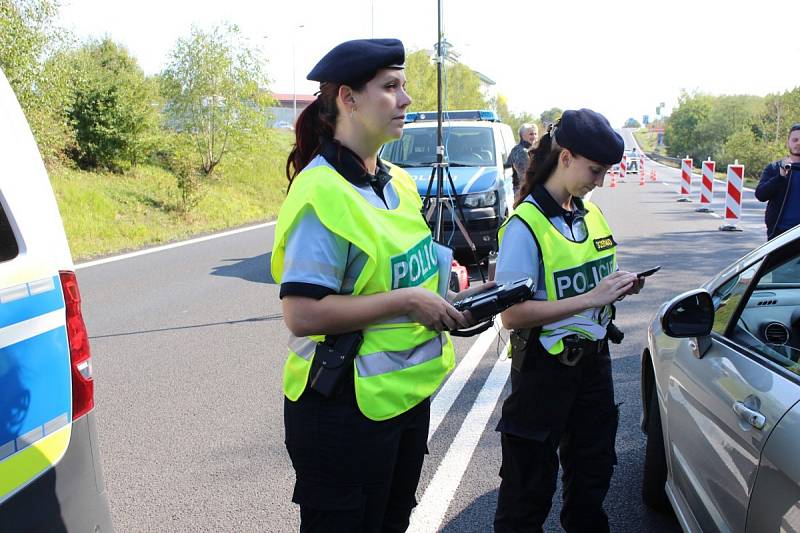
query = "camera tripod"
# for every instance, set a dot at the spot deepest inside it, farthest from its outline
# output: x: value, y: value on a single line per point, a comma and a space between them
x: 436, y: 203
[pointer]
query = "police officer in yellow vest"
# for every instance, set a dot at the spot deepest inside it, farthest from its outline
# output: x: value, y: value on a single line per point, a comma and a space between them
x: 353, y: 254
x: 562, y: 397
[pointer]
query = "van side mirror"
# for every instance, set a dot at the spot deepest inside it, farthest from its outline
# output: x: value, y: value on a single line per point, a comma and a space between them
x: 507, y: 165
x: 689, y: 315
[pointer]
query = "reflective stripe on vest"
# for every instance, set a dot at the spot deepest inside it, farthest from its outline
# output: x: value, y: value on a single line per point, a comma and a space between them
x: 400, y: 363
x: 378, y: 363
x: 571, y: 268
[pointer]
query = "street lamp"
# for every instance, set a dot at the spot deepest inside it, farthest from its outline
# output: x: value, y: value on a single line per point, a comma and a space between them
x: 294, y: 84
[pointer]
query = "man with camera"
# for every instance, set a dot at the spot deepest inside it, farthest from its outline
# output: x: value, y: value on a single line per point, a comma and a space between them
x: 780, y: 188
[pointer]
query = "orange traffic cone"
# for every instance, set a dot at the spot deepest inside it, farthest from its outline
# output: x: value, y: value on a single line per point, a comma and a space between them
x: 613, y: 184
x: 653, y: 174
x: 641, y: 179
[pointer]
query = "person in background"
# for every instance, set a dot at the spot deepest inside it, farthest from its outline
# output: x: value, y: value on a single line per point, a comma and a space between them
x: 779, y: 186
x: 518, y: 158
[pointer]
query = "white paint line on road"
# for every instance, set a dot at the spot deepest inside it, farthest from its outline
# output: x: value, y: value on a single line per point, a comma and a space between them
x: 428, y: 515
x: 171, y: 246
x: 444, y: 399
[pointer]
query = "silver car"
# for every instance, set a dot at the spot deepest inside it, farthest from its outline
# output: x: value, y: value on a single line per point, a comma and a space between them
x: 720, y: 392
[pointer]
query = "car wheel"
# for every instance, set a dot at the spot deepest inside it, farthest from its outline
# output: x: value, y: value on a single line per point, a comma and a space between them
x: 655, y: 461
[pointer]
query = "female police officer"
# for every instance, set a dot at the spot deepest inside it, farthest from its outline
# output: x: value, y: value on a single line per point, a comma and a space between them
x: 353, y: 254
x: 562, y: 397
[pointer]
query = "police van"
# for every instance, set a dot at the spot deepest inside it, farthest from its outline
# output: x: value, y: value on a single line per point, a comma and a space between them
x: 50, y: 475
x: 476, y: 147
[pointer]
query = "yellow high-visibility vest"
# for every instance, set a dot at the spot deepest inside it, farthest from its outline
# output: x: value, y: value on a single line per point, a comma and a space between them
x: 400, y: 362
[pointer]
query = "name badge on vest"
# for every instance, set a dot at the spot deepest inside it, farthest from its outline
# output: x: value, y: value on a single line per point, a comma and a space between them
x: 604, y: 243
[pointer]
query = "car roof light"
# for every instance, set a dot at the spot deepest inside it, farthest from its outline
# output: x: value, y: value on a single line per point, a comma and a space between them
x: 486, y: 115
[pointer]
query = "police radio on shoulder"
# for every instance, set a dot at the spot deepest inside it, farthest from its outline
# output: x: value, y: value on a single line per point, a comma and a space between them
x: 488, y: 303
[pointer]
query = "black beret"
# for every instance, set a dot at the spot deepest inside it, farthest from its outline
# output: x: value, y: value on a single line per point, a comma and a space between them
x: 589, y: 134
x: 358, y: 60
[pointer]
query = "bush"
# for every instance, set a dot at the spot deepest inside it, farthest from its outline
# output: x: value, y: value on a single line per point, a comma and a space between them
x: 753, y: 153
x: 114, y: 109
x: 183, y: 162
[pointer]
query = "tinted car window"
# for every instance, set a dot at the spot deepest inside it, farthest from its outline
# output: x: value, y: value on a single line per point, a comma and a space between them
x: 469, y: 145
x: 8, y: 243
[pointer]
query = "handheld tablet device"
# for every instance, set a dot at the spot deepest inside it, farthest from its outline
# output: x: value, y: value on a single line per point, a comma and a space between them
x: 484, y: 305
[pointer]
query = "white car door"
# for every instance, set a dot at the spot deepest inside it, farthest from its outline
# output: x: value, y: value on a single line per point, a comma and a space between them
x: 725, y: 396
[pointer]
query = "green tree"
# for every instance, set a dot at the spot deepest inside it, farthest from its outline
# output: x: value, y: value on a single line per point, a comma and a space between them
x: 632, y: 123
x: 753, y: 153
x: 550, y: 116
x: 681, y: 134
x: 460, y: 86
x: 421, y: 81
x: 216, y: 90
x: 114, y: 109
x: 500, y: 105
x: 30, y: 43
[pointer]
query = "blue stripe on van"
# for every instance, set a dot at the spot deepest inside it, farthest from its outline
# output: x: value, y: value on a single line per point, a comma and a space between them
x: 31, y: 306
x: 35, y: 384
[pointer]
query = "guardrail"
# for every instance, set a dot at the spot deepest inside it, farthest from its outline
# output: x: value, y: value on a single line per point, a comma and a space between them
x: 664, y: 160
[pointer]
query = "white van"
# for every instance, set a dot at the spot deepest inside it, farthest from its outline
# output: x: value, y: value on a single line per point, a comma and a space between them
x: 50, y: 475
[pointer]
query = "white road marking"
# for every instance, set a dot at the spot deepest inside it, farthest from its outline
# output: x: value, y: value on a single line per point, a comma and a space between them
x: 428, y: 515
x: 444, y: 399
x: 172, y: 245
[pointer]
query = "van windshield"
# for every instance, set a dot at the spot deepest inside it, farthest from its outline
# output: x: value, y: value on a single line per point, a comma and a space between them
x: 465, y: 146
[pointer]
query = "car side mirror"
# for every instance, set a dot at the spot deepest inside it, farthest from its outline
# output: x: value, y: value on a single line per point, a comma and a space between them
x: 507, y: 165
x: 689, y: 315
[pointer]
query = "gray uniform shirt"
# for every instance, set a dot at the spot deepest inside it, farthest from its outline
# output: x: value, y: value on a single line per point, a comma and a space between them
x: 317, y: 256
x: 519, y: 254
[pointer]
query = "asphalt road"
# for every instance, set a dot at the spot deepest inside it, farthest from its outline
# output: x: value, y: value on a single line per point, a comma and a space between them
x: 189, y: 344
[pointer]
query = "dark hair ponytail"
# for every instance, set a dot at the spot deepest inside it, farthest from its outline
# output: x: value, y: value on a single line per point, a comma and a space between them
x: 316, y: 123
x: 542, y: 163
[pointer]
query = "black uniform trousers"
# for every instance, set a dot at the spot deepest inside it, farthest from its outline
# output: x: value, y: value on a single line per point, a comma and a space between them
x: 557, y: 410
x: 354, y: 474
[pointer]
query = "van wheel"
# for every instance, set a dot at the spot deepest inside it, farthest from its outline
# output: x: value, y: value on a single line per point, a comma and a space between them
x: 655, y: 461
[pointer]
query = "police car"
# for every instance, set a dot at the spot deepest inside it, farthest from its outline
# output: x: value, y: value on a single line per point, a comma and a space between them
x: 476, y: 147
x: 632, y: 161
x: 50, y: 475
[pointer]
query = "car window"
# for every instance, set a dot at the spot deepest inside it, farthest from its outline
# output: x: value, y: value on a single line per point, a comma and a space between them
x: 9, y: 249
x: 467, y: 145
x: 769, y: 323
x: 728, y: 295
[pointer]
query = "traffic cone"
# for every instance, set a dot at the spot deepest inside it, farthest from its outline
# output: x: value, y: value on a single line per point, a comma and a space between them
x: 613, y: 181
x: 641, y: 179
x: 653, y: 174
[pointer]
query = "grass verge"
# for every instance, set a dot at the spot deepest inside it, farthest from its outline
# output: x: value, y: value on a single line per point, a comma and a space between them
x: 106, y: 213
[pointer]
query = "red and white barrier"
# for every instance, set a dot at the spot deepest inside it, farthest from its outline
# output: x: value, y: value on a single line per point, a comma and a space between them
x: 623, y: 167
x: 641, y: 179
x: 707, y: 186
x: 613, y: 179
x: 686, y: 179
x: 653, y: 174
x: 733, y: 197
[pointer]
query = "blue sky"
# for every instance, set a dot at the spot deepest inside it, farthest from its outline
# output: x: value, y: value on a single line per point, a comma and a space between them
x: 619, y: 57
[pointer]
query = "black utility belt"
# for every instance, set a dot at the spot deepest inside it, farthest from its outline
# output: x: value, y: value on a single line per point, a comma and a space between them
x: 576, y: 348
x: 525, y: 343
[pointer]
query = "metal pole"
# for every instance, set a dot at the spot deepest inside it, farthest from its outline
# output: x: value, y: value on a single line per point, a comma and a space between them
x: 439, y: 231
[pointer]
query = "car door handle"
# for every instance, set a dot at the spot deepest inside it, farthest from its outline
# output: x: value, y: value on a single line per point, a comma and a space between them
x: 751, y: 416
